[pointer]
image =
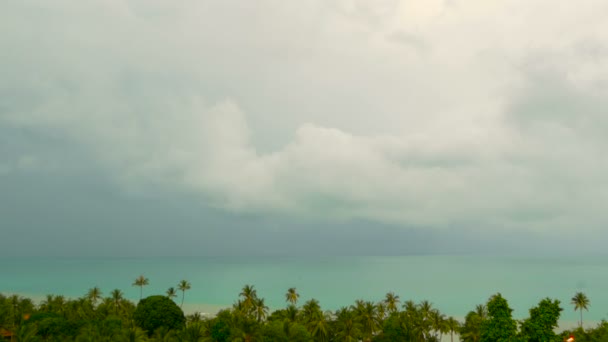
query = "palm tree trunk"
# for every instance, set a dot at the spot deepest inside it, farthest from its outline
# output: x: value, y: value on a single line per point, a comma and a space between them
x: 183, y: 294
x: 452, y: 336
x: 141, y: 291
x: 581, y: 310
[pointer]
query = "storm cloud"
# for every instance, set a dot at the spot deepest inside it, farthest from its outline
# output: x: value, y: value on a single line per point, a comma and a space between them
x: 440, y: 115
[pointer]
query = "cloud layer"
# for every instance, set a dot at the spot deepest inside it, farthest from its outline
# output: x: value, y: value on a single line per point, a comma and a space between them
x: 486, y: 115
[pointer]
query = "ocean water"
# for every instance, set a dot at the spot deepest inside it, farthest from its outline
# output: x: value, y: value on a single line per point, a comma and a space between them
x: 454, y: 284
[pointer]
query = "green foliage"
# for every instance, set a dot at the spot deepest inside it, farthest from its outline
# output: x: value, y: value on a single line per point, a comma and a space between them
x: 158, y: 311
x: 399, y: 328
x: 347, y: 325
x: 284, y: 331
x: 542, y: 322
x: 500, y: 326
x: 220, y: 326
x: 471, y: 330
x: 599, y: 333
x: 52, y: 325
x: 158, y: 318
x: 193, y: 332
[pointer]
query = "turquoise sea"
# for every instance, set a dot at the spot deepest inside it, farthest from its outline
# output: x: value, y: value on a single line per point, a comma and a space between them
x: 455, y: 284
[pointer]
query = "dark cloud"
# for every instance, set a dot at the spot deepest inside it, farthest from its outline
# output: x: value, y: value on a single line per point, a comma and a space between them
x: 210, y: 124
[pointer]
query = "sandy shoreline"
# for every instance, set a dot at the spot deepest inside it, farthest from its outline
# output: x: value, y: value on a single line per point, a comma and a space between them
x: 203, y: 309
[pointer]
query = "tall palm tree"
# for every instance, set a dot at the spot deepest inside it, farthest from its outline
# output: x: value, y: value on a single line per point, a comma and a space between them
x: 453, y: 326
x: 183, y: 286
x: 171, y: 293
x: 292, y: 296
x: 580, y: 302
x: 140, y: 281
x: 392, y: 301
x: 249, y: 295
x: 94, y: 294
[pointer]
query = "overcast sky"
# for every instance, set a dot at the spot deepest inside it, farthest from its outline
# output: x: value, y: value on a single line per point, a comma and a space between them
x: 203, y: 127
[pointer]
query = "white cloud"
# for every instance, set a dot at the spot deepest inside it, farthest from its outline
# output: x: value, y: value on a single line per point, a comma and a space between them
x: 493, y: 117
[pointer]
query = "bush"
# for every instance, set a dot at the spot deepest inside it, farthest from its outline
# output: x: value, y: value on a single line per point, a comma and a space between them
x: 158, y: 311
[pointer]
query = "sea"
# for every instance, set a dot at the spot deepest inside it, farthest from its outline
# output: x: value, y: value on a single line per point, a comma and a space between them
x: 454, y: 284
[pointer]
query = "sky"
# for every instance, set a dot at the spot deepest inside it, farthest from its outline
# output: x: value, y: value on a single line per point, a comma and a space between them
x: 337, y: 127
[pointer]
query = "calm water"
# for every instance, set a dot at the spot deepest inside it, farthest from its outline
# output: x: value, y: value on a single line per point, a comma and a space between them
x: 455, y: 284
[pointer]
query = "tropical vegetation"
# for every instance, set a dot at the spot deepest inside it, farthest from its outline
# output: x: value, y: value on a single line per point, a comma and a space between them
x: 95, y: 317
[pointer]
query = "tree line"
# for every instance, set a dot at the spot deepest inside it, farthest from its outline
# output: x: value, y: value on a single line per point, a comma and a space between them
x: 94, y: 317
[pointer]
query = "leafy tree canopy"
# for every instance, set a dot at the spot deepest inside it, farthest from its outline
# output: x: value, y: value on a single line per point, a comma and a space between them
x: 542, y: 322
x: 500, y: 326
x: 158, y: 311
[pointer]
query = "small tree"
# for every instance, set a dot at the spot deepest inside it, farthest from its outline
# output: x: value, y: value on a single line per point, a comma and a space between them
x: 542, y: 322
x: 500, y: 326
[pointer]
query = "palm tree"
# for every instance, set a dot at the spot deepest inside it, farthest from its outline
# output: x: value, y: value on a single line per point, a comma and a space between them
x: 116, y: 299
x: 171, y: 293
x: 261, y: 310
x: 291, y: 313
x: 425, y: 321
x: 470, y: 330
x: 367, y: 315
x: 438, y: 323
x: 410, y: 307
x: 55, y: 304
x: 381, y: 308
x: 482, y: 311
x: 134, y: 334
x: 249, y: 295
x: 183, y: 286
x: 315, y: 321
x: 311, y: 311
x: 94, y: 295
x: 292, y: 296
x: 193, y: 332
x: 195, y: 317
x: 453, y: 326
x: 391, y: 300
x: 140, y: 281
x: 26, y: 333
x: 347, y: 327
x: 580, y: 302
